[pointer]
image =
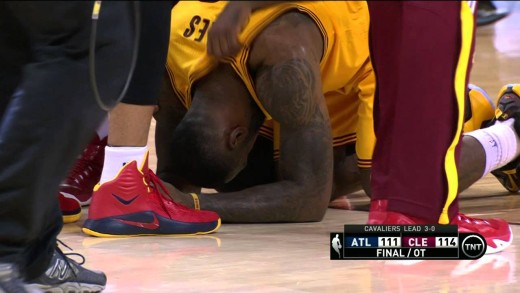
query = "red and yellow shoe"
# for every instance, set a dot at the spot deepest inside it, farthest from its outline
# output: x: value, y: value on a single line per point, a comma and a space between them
x: 86, y: 172
x: 70, y: 208
x: 136, y: 203
x: 497, y: 232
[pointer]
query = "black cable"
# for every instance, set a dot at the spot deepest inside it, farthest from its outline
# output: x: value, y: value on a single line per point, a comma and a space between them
x: 92, y: 55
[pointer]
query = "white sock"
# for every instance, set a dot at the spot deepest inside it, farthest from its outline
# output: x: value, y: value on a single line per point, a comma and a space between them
x: 102, y: 130
x: 500, y: 142
x: 117, y: 157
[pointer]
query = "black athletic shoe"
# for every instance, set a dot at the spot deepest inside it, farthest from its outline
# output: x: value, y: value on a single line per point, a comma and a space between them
x: 10, y: 281
x: 488, y: 13
x: 509, y: 107
x: 66, y: 275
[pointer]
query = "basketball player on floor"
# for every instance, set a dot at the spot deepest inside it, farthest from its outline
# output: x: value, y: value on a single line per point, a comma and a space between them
x: 305, y: 168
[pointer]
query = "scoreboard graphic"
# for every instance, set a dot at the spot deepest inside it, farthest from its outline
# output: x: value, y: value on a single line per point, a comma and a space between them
x: 405, y: 242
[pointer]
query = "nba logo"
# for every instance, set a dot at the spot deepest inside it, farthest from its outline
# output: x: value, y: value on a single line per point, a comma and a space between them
x: 336, y: 251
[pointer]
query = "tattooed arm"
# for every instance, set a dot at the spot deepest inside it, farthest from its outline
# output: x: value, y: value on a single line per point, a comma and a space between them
x: 288, y: 82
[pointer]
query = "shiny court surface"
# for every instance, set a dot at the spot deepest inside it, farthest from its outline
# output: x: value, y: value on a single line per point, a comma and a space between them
x: 295, y: 257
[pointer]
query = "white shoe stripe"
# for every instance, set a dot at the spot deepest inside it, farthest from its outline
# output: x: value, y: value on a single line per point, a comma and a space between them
x: 500, y: 244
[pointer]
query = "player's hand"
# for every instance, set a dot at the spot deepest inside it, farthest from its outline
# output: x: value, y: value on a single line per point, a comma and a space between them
x: 223, y: 34
x: 178, y: 196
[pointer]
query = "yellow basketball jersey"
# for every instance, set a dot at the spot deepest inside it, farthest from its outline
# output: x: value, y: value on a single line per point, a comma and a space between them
x: 347, y: 76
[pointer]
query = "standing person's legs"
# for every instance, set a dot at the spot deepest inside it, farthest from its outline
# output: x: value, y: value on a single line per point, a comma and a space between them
x: 129, y: 122
x: 14, y: 54
x: 421, y: 75
x: 54, y: 102
x: 421, y: 57
x: 115, y: 209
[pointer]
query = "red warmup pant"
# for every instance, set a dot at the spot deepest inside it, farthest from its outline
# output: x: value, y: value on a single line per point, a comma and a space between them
x: 422, y: 53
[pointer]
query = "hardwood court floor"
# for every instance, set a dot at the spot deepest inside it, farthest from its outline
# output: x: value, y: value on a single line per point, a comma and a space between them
x: 295, y: 257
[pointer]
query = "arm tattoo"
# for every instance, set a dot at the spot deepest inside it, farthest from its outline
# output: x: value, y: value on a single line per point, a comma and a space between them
x: 288, y: 92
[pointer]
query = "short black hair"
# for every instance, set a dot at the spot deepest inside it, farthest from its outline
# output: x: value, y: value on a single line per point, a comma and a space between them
x: 197, y: 154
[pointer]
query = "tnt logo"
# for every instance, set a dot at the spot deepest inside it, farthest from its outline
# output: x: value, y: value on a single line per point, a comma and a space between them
x: 472, y: 246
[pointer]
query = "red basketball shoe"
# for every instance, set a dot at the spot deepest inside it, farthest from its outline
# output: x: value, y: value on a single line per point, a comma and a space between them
x: 136, y: 203
x: 70, y: 208
x: 86, y: 172
x: 497, y: 232
x: 377, y: 212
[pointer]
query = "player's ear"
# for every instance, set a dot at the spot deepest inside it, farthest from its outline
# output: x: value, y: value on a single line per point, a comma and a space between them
x: 237, y: 137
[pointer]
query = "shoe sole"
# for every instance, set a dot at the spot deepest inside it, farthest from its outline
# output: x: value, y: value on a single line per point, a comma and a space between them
x: 69, y: 287
x: 106, y: 227
x: 67, y: 219
x: 71, y: 216
x: 501, y: 245
x: 491, y: 19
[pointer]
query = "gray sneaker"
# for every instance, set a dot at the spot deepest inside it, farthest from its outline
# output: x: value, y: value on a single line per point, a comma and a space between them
x: 66, y: 275
x: 10, y: 281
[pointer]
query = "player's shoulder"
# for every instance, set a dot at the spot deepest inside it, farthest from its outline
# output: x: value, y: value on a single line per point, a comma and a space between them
x: 292, y: 34
x: 291, y: 28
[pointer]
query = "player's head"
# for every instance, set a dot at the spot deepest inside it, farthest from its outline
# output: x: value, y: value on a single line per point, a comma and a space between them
x: 211, y: 144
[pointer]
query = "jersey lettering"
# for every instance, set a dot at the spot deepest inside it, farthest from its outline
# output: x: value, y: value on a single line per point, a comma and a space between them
x: 195, y: 25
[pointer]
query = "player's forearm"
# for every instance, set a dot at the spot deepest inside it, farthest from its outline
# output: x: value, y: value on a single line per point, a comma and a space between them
x: 282, y: 201
x: 302, y: 193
